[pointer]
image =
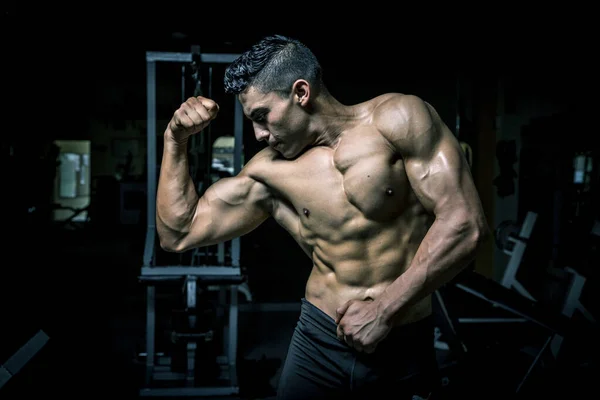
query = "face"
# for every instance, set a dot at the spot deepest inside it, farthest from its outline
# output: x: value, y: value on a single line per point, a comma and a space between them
x: 280, y: 122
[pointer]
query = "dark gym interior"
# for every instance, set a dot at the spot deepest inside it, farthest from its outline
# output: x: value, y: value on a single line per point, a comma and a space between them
x: 82, y: 96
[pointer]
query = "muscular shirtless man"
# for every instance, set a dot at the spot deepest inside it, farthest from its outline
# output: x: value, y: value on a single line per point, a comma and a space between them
x: 378, y: 195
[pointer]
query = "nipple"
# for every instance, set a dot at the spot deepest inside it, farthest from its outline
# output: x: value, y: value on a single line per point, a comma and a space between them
x: 306, y: 212
x: 389, y: 192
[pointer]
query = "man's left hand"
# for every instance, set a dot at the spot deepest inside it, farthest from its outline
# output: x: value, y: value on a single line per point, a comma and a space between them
x: 361, y: 325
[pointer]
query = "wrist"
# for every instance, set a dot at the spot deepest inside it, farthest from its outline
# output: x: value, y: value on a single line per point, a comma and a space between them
x: 387, y: 309
x: 174, y: 141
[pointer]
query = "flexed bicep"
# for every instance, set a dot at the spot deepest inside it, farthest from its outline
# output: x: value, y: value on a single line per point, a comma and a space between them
x: 231, y: 207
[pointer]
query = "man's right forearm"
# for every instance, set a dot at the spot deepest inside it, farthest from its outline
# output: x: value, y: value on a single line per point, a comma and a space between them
x: 177, y: 198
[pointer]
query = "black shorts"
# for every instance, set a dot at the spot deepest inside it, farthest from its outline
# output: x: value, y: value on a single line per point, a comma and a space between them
x: 320, y: 366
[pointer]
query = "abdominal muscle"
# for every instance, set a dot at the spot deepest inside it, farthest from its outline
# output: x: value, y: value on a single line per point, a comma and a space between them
x: 330, y: 285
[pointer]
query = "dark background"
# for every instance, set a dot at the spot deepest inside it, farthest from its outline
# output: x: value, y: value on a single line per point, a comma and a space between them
x: 66, y: 70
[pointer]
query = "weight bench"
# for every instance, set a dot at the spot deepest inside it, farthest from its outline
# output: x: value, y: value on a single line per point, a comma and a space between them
x: 572, y: 302
x: 509, y: 281
x: 522, y: 309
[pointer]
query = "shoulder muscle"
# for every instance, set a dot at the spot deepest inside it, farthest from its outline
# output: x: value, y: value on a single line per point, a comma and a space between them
x: 410, y: 124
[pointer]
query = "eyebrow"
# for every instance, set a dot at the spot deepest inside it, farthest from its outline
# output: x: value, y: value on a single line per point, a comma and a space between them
x: 257, y: 112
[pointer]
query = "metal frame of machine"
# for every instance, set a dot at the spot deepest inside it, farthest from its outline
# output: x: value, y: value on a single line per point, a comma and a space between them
x: 226, y: 278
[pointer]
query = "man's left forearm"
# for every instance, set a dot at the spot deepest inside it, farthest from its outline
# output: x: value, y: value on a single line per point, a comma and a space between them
x: 448, y: 247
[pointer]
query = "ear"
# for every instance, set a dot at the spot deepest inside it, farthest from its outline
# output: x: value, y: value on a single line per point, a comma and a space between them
x: 301, y: 92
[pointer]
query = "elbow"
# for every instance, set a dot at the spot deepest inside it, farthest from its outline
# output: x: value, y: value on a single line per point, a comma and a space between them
x: 471, y: 228
x: 483, y: 231
x: 172, y: 244
x: 182, y: 242
x: 172, y: 247
x: 479, y: 234
x: 170, y: 238
x: 169, y: 246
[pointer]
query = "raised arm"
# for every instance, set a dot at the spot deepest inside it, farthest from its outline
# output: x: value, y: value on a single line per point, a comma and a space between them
x: 441, y: 179
x: 229, y: 208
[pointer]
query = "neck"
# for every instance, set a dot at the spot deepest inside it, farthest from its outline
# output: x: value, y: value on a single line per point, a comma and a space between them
x: 330, y: 119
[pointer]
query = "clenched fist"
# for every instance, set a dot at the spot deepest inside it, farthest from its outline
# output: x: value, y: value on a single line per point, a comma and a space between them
x: 192, y: 116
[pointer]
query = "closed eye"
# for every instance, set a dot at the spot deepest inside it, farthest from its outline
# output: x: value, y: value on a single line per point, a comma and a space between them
x: 259, y: 115
x: 260, y: 118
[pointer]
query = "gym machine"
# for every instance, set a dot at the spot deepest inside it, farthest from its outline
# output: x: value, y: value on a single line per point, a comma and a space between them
x: 223, y: 276
x: 512, y: 245
x: 21, y: 357
x: 513, y: 302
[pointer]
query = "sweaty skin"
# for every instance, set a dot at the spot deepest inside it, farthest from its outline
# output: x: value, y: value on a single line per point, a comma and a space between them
x: 386, y: 209
x: 359, y: 232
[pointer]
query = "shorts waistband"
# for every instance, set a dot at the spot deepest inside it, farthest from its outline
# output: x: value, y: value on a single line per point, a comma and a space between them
x: 311, y: 314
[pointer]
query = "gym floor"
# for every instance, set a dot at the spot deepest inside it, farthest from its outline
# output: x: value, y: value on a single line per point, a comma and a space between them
x: 92, y: 307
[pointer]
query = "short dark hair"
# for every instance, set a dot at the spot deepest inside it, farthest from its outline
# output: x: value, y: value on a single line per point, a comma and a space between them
x: 273, y: 65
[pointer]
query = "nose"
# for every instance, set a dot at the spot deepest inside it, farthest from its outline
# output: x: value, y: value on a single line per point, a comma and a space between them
x: 260, y: 133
